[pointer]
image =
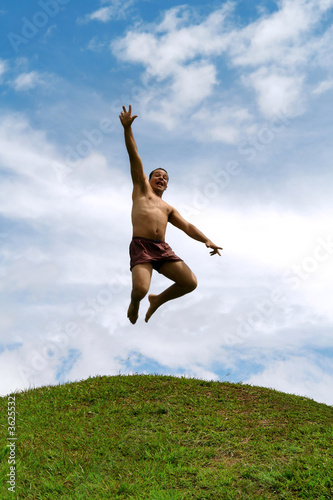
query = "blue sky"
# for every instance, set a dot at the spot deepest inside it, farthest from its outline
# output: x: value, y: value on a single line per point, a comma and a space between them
x: 234, y: 99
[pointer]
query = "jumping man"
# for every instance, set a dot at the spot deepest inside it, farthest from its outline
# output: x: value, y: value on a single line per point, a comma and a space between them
x: 148, y: 250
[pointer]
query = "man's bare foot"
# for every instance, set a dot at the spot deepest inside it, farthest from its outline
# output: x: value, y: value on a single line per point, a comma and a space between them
x: 153, y: 299
x: 133, y: 312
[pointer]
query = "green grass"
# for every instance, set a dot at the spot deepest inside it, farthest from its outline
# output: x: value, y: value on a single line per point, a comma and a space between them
x: 148, y: 437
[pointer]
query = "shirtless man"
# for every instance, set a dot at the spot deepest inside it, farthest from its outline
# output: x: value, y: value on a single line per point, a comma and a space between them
x: 148, y: 250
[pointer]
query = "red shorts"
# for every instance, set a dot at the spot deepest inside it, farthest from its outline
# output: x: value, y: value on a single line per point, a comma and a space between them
x: 154, y: 252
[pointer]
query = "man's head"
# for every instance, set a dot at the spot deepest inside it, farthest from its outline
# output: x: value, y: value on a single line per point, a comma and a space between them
x: 152, y: 172
x: 158, y: 180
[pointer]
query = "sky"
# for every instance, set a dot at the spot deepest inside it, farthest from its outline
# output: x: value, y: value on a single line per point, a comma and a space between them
x: 234, y: 99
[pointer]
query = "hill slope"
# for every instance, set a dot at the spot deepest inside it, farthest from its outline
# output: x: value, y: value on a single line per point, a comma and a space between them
x: 167, y: 438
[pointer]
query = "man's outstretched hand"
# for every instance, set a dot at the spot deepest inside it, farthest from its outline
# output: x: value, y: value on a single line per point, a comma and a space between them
x: 210, y: 244
x: 126, y: 117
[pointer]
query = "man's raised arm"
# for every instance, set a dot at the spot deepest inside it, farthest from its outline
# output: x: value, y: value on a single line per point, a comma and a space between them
x: 137, y: 173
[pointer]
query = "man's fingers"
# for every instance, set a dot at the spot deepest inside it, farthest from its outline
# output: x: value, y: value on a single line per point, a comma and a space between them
x: 129, y: 109
x: 129, y: 112
x: 216, y: 250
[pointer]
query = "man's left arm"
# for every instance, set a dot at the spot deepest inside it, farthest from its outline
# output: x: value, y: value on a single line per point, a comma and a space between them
x: 177, y: 220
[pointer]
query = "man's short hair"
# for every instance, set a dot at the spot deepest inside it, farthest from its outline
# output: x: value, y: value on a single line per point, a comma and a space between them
x: 158, y: 168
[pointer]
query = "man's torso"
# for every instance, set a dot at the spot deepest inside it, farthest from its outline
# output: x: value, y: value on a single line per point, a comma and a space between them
x: 149, y: 214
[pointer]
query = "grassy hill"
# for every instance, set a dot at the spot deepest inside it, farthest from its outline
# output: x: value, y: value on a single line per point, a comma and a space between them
x: 165, y: 438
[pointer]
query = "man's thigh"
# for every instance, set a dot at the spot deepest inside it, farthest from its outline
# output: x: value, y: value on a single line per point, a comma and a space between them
x: 141, y: 275
x: 179, y: 272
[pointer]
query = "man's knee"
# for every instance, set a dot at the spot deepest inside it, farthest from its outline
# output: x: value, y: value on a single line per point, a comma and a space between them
x: 192, y: 283
x: 140, y: 290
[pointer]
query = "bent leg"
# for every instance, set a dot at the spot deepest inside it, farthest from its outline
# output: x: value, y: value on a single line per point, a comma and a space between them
x: 185, y: 282
x: 141, y: 278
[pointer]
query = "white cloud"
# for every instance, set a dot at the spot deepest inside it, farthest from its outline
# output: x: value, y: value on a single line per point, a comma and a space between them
x: 278, y: 92
x: 323, y: 87
x: 3, y: 67
x: 116, y: 10
x: 191, y: 84
x: 279, y: 37
x: 104, y: 14
x: 171, y: 44
x: 10, y: 380
x: 26, y: 153
x: 27, y: 81
x: 281, y: 48
x: 49, y: 32
x: 322, y: 47
x: 297, y: 375
x: 176, y: 55
x: 96, y: 45
x: 276, y: 54
x: 222, y: 124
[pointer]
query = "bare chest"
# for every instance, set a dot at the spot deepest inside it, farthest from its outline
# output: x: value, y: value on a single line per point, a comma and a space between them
x: 151, y: 204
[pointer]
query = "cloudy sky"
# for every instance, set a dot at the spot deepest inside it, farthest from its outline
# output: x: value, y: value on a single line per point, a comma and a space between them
x: 234, y: 99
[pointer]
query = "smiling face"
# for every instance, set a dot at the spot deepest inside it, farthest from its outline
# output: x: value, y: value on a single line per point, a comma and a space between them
x: 159, y: 181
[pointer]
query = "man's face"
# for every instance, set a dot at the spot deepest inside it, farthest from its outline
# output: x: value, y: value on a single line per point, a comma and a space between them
x: 159, y: 181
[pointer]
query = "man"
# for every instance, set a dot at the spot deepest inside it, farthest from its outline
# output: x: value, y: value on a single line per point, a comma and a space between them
x: 148, y: 250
